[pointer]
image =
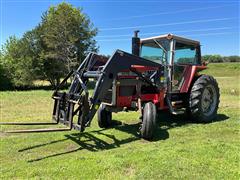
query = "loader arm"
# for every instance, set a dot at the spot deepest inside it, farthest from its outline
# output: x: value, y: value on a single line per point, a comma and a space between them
x: 64, y: 106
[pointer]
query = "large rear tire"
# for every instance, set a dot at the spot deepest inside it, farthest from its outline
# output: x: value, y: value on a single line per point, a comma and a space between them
x: 204, y: 99
x: 104, y: 117
x: 148, y: 121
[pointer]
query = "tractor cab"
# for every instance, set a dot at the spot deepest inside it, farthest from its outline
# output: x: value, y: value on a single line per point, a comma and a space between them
x: 179, y: 55
x: 171, y: 49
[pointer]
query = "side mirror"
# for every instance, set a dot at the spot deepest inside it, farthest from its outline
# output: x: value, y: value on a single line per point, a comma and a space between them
x: 205, y: 63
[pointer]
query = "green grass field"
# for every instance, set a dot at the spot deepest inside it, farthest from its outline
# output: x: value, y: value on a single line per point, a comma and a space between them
x: 180, y: 149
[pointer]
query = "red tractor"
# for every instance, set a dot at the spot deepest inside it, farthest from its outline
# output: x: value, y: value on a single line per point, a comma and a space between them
x: 162, y: 73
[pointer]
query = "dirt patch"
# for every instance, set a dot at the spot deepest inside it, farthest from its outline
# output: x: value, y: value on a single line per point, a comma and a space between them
x: 129, y: 171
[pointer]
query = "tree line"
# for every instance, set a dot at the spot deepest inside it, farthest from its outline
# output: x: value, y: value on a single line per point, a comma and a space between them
x: 220, y: 59
x: 49, y: 51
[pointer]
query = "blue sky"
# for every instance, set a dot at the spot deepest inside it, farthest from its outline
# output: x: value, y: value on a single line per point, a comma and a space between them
x: 215, y: 23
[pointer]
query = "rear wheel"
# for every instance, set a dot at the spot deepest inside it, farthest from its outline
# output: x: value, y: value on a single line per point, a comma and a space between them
x: 104, y: 117
x: 204, y: 99
x: 148, y: 121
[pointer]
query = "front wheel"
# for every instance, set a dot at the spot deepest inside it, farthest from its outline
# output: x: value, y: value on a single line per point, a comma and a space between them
x: 204, y: 99
x: 104, y: 117
x: 148, y: 121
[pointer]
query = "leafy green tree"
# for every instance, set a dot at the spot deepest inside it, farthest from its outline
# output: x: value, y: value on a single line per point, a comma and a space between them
x: 66, y: 35
x: 231, y: 59
x: 55, y: 46
x: 5, y: 82
x: 20, y: 59
x: 219, y: 58
x: 17, y: 63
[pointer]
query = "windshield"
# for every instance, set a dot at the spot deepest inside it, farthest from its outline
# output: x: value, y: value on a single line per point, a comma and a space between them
x: 156, y: 51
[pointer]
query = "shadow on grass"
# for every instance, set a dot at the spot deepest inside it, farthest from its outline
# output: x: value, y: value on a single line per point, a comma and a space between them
x: 91, y: 142
x: 169, y: 121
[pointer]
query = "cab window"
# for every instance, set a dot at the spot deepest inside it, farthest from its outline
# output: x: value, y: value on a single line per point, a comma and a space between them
x: 155, y: 50
x: 154, y: 54
x: 185, y: 54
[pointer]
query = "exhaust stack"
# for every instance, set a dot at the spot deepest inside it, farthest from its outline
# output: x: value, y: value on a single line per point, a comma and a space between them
x: 136, y: 44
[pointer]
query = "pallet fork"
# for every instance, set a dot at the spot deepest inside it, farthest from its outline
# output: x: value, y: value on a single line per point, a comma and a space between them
x: 77, y: 101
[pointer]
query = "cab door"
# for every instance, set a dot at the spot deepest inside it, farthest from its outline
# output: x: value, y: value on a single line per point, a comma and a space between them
x: 184, y: 56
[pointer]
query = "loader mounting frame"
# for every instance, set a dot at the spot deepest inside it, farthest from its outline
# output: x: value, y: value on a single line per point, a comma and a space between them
x: 77, y: 101
x: 65, y: 103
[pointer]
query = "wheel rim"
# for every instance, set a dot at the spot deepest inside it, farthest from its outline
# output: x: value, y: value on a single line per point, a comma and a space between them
x: 209, y: 100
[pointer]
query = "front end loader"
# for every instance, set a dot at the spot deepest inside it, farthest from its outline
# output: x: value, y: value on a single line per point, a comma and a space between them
x: 162, y: 73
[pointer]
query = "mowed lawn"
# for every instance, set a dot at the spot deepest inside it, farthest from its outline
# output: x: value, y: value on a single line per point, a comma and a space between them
x: 180, y: 149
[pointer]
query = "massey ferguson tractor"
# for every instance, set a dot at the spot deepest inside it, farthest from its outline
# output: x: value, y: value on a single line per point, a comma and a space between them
x: 162, y: 73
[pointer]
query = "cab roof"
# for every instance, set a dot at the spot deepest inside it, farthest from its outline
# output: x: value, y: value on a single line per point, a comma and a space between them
x: 171, y: 36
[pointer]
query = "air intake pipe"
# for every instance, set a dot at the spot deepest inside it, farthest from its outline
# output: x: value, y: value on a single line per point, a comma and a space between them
x: 136, y: 44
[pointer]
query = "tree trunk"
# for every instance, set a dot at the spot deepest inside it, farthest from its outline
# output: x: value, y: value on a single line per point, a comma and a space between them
x: 58, y: 82
x: 52, y: 82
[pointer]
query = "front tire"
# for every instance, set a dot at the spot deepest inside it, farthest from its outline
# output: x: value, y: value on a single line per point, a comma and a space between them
x: 204, y: 99
x: 104, y: 117
x: 149, y: 121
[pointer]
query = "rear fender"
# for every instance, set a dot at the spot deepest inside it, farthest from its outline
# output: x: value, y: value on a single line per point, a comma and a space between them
x: 189, y: 73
